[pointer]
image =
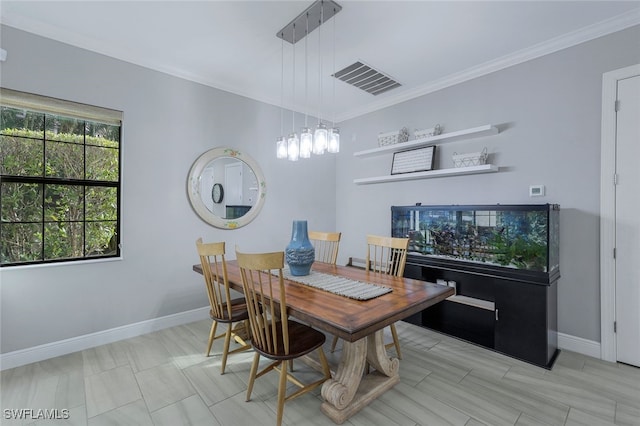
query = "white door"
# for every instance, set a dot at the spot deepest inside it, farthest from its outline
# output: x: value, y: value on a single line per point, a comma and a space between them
x: 233, y: 184
x: 627, y: 234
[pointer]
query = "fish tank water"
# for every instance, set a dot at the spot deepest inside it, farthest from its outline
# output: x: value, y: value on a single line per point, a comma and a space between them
x: 518, y: 237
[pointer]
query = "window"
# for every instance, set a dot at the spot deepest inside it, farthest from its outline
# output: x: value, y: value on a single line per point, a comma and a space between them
x: 59, y: 180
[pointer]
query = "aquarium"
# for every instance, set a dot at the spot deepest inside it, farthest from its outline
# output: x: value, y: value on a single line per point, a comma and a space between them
x: 519, y: 237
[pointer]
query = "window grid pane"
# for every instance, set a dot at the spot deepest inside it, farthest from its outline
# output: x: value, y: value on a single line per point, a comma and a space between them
x: 12, y: 119
x: 64, y: 160
x: 64, y: 129
x: 101, y: 238
x: 101, y: 203
x: 63, y: 203
x: 100, y: 134
x: 21, y: 156
x: 21, y: 242
x: 21, y: 202
x: 63, y: 240
x: 102, y: 163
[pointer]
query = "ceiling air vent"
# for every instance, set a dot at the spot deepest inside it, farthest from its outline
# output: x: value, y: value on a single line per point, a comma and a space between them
x: 366, y: 78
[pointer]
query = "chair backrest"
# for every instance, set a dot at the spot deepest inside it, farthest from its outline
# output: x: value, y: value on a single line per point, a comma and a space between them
x: 261, y: 278
x: 326, y: 245
x: 386, y: 255
x: 214, y: 269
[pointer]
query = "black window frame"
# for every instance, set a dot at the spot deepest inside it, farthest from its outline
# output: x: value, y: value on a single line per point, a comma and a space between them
x: 84, y: 183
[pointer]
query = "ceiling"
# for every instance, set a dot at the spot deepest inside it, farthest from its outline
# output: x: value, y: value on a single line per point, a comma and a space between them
x: 232, y: 45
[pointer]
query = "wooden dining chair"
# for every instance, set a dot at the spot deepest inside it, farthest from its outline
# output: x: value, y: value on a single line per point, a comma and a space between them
x: 326, y: 245
x: 224, y: 309
x: 273, y: 334
x: 387, y: 255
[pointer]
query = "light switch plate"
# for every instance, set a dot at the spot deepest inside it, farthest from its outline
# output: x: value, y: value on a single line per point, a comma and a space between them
x: 536, y: 191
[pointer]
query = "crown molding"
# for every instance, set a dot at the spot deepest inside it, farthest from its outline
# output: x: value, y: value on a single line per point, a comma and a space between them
x: 609, y: 26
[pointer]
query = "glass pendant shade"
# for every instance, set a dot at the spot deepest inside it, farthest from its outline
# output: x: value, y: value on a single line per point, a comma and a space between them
x: 293, y: 147
x: 334, y: 140
x: 306, y: 142
x: 281, y: 147
x: 320, y: 139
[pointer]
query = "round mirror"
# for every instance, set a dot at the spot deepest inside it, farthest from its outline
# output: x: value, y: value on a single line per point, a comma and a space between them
x: 226, y: 188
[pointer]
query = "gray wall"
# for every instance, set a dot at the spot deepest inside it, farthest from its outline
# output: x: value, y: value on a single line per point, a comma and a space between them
x: 549, y: 112
x: 168, y: 123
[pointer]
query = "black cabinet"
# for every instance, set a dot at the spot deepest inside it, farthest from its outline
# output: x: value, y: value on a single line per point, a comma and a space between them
x: 514, y: 317
x: 526, y: 320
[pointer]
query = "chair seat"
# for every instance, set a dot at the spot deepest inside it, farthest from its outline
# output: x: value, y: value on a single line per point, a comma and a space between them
x: 302, y: 340
x: 238, y: 311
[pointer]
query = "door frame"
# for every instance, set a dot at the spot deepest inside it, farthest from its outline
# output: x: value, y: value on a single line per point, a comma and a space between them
x: 608, y: 209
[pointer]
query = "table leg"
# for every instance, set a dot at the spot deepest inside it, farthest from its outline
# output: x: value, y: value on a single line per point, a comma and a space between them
x: 349, y: 391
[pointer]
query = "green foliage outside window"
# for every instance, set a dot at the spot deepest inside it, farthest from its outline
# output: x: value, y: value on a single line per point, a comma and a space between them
x: 59, y: 194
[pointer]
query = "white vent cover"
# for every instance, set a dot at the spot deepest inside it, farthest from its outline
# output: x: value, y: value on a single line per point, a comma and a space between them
x: 366, y: 78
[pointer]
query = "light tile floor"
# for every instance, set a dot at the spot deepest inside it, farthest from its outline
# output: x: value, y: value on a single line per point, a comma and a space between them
x: 163, y: 378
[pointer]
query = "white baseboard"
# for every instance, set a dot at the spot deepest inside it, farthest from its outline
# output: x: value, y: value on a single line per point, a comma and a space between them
x: 80, y: 343
x: 579, y: 345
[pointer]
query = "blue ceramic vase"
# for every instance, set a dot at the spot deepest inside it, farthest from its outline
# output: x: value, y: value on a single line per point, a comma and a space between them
x: 299, y: 253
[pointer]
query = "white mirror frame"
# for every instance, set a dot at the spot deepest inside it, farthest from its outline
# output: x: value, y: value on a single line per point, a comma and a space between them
x: 193, y: 188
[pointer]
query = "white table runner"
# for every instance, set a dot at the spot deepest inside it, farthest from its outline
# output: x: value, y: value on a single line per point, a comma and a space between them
x: 346, y: 287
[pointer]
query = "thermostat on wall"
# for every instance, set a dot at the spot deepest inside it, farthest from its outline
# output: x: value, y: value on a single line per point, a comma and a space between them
x: 536, y: 191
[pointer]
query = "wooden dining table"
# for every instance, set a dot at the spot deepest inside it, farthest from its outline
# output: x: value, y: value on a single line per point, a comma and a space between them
x: 359, y: 324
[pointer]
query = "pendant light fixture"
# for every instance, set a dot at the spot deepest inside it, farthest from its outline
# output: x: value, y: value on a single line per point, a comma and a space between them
x: 323, y: 139
x: 320, y: 138
x: 306, y: 142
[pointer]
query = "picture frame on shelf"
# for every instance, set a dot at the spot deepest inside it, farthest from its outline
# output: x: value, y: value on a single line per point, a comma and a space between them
x: 413, y: 160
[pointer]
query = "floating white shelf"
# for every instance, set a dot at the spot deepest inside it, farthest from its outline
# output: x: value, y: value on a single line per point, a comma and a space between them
x: 472, y: 301
x: 475, y: 132
x: 458, y: 171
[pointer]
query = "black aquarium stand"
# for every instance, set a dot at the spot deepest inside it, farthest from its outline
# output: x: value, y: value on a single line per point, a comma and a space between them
x: 512, y: 310
x: 514, y: 317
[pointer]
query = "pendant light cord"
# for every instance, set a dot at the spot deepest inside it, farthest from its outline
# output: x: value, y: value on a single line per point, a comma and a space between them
x: 293, y: 84
x: 306, y: 74
x: 282, y: 85
x: 320, y: 62
x: 333, y: 121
